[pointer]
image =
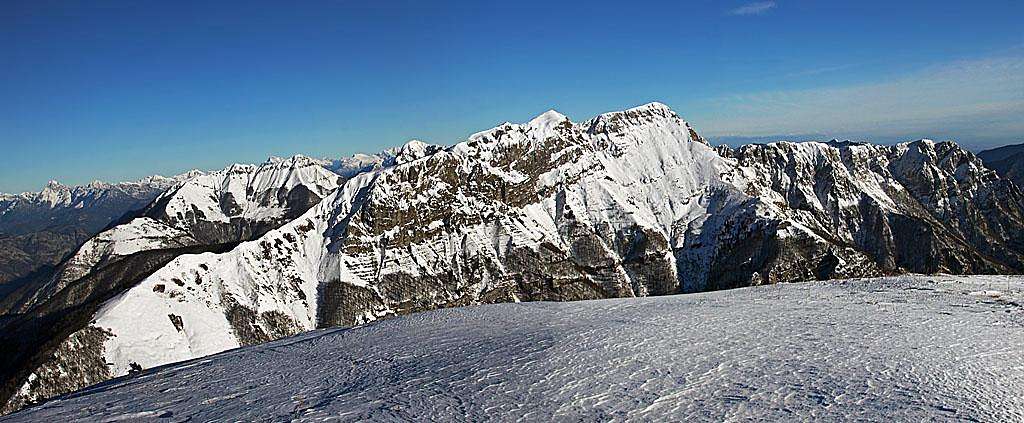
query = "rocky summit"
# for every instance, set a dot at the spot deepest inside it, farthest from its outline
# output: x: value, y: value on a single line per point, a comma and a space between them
x: 626, y: 204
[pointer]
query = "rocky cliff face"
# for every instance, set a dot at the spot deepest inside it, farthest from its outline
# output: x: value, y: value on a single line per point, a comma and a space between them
x: 629, y: 203
x: 920, y: 207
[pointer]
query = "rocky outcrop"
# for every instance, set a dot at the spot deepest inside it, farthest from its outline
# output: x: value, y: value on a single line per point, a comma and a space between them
x: 920, y: 207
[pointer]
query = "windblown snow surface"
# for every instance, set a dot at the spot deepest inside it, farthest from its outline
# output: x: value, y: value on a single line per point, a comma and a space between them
x: 906, y: 348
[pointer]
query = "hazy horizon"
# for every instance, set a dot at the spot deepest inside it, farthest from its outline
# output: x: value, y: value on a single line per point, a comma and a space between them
x: 118, y: 91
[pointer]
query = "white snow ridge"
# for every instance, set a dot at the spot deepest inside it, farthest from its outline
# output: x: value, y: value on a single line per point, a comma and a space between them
x: 894, y: 349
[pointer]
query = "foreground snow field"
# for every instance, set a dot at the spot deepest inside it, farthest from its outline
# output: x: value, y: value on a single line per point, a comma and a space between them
x: 904, y: 348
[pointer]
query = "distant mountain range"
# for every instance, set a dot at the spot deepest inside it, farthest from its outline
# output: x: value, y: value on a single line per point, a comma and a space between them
x: 1008, y: 161
x: 628, y: 203
x: 37, y: 230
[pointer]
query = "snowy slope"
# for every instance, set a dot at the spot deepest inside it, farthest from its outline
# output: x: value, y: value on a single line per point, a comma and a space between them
x: 896, y: 349
x: 239, y: 202
x: 209, y: 212
x: 233, y: 204
x: 629, y: 203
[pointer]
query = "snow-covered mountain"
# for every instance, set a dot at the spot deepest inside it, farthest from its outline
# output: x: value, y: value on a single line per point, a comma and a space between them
x: 38, y: 229
x: 205, y: 212
x: 630, y: 203
x: 360, y: 163
x: 228, y: 206
x: 1007, y: 161
x: 920, y: 206
x: 237, y: 203
x: 909, y: 348
x: 21, y: 211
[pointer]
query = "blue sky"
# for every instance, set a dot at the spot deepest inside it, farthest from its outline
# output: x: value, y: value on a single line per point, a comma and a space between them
x: 119, y: 90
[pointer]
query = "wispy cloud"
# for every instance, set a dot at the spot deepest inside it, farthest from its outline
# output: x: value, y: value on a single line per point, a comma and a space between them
x: 821, y: 70
x: 976, y: 99
x: 755, y: 8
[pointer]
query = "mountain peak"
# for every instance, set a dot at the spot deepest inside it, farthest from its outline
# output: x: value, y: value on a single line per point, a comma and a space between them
x: 297, y: 160
x: 654, y: 105
x: 189, y: 175
x: 547, y: 120
x: 413, y: 150
x: 279, y: 159
x: 653, y: 113
x: 414, y: 144
x: 647, y: 113
x: 835, y: 142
